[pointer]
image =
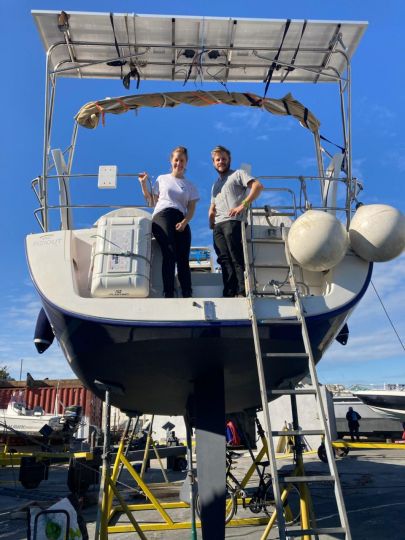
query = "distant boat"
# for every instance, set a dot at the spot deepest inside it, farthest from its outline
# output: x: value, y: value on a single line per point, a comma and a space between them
x: 389, y: 400
x: 18, y: 419
x: 373, y: 423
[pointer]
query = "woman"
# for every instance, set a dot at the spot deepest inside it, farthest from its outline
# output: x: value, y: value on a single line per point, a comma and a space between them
x: 174, y: 198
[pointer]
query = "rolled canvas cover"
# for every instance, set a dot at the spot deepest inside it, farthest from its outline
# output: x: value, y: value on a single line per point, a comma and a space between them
x: 89, y: 114
x: 122, y: 257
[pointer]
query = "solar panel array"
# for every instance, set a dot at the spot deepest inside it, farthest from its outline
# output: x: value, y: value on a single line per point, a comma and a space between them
x: 155, y: 47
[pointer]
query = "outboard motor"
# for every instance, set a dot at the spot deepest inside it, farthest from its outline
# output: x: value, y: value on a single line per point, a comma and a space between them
x: 44, y: 335
x: 72, y: 416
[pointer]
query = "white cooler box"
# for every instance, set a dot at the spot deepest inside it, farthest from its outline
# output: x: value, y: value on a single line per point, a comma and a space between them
x: 122, y: 257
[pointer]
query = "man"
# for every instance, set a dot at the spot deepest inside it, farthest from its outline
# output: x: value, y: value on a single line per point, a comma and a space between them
x: 353, y: 418
x: 231, y: 195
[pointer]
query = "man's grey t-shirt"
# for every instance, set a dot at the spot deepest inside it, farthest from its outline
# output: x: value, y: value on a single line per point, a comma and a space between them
x: 228, y: 191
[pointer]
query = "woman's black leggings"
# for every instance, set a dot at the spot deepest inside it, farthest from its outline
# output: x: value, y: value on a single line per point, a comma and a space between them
x: 175, y: 247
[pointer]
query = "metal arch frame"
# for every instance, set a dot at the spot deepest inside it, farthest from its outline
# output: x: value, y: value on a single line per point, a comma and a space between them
x: 51, y: 76
x: 50, y: 92
x: 201, y: 49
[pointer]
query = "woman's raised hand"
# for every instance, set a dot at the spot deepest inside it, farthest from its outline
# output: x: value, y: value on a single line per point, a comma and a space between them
x: 142, y: 177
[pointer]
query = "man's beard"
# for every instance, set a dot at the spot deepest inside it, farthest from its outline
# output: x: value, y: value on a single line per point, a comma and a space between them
x: 224, y: 171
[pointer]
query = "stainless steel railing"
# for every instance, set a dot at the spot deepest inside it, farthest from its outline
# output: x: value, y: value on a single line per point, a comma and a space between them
x: 285, y: 195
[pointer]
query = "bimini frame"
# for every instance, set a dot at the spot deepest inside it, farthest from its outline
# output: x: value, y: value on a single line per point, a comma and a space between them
x: 198, y: 49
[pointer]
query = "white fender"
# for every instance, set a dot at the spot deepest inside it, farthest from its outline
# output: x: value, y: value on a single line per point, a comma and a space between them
x: 318, y: 240
x: 377, y: 232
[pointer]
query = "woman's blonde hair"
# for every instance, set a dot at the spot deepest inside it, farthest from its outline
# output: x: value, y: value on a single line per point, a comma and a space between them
x: 180, y: 150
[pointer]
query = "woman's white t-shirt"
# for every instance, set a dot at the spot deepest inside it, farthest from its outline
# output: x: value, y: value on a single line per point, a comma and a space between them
x: 174, y: 193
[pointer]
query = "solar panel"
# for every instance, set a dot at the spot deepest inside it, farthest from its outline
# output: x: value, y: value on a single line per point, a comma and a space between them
x: 169, y: 47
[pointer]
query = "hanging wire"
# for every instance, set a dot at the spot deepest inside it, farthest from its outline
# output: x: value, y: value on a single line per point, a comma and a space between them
x: 197, y: 65
x: 217, y: 78
x: 388, y: 317
x: 133, y: 64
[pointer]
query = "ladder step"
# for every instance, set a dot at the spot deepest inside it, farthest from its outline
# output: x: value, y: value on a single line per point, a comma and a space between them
x: 317, y: 530
x: 260, y: 212
x: 304, y: 479
x: 264, y: 266
x: 283, y: 294
x: 286, y: 355
x: 293, y: 391
x: 278, y: 321
x: 298, y: 432
x: 265, y: 241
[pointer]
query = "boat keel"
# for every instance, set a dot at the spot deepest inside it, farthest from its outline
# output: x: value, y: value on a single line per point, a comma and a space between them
x: 211, y: 449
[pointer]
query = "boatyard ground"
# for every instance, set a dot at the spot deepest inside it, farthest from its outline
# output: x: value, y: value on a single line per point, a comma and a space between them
x: 373, y: 483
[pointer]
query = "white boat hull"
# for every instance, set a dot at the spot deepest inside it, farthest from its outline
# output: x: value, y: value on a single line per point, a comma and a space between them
x: 29, y: 425
x: 152, y: 349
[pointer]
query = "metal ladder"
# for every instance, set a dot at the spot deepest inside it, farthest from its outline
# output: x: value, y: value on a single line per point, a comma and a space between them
x: 302, y: 481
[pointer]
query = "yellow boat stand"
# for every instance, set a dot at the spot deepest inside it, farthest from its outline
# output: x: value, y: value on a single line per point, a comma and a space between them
x: 110, y: 490
x: 167, y: 523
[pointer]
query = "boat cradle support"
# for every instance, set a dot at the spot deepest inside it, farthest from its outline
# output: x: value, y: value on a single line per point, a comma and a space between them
x: 112, y: 503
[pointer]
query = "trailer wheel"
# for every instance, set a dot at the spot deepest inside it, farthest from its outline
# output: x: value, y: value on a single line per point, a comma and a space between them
x: 338, y: 452
x: 322, y: 453
x: 32, y: 472
x: 30, y: 484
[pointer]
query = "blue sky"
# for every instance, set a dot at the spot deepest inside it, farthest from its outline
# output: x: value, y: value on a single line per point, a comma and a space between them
x: 271, y: 145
